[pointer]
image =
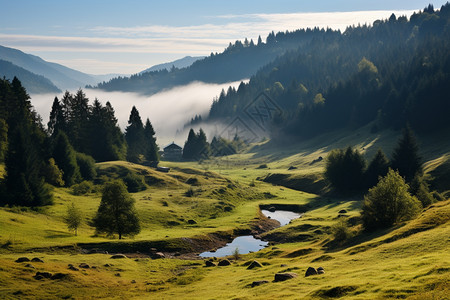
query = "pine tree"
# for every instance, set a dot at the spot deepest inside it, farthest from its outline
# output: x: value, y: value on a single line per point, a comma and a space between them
x: 3, y: 139
x: 189, y: 145
x: 65, y: 158
x: 134, y: 135
x: 57, y: 121
x: 378, y: 167
x: 151, y: 151
x: 73, y: 218
x: 116, y: 213
x: 406, y: 157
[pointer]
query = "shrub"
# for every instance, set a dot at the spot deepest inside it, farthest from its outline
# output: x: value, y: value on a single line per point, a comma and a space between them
x: 189, y: 192
x: 341, y: 231
x: 389, y: 202
x: 53, y: 174
x: 82, y: 188
x: 87, y: 166
x: 134, y: 182
x: 73, y: 218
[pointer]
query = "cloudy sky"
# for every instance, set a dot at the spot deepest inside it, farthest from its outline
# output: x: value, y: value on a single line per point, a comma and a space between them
x: 100, y: 37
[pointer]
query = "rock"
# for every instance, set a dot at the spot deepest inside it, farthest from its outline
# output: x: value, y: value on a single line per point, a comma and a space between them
x: 158, y: 255
x: 73, y: 268
x: 224, y: 262
x: 292, y: 168
x: 22, y: 259
x: 133, y: 281
x: 342, y: 211
x: 272, y: 209
x: 40, y: 275
x: 283, y: 265
x: 153, y: 250
x: 59, y: 276
x: 259, y: 282
x: 29, y: 266
x: 285, y: 276
x: 37, y: 259
x: 84, y: 266
x: 118, y: 256
x: 210, y: 263
x: 192, y: 222
x: 320, y: 270
x: 254, y: 264
x: 117, y: 275
x: 107, y: 265
x: 310, y: 271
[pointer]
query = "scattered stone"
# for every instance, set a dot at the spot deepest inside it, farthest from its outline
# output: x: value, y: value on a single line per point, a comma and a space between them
x: 93, y: 267
x: 29, y: 266
x: 40, y: 275
x: 57, y: 276
x: 254, y: 264
x: 72, y: 267
x: 343, y: 211
x: 37, y: 259
x: 133, y: 281
x: 310, y: 271
x: 283, y: 265
x: 107, y: 265
x: 224, y: 262
x: 285, y: 276
x: 117, y: 275
x: 210, y: 263
x: 320, y: 270
x: 192, y: 222
x: 22, y: 259
x: 158, y: 255
x: 292, y: 168
x: 84, y: 266
x: 118, y: 256
x: 259, y: 282
x: 272, y: 209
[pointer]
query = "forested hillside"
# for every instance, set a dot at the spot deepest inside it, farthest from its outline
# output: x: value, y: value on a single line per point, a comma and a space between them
x: 393, y: 72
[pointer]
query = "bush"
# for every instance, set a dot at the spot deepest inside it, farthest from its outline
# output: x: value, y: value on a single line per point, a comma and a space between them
x: 189, y: 192
x: 87, y: 166
x: 389, y: 202
x: 53, y: 174
x: 134, y: 183
x: 341, y: 231
x: 82, y: 188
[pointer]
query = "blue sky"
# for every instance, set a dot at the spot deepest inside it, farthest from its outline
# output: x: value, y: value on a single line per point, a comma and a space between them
x: 101, y: 37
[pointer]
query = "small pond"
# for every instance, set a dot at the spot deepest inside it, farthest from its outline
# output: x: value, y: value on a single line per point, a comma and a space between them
x: 247, y: 243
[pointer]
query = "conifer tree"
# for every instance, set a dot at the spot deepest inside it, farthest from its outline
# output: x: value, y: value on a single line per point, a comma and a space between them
x: 189, y: 145
x: 57, y: 121
x: 406, y: 157
x: 134, y: 135
x: 151, y: 151
x: 65, y: 158
x: 379, y: 166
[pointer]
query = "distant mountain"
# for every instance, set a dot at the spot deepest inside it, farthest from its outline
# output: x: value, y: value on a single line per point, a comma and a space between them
x: 179, y: 63
x: 35, y: 84
x: 61, y: 76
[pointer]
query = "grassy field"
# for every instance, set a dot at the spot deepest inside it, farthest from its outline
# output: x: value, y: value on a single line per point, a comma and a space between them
x: 199, y: 205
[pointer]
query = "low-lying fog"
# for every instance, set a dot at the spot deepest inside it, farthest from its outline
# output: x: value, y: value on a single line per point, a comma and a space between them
x: 168, y: 111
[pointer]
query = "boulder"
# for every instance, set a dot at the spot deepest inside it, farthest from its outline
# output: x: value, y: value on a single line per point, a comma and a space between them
x: 59, y: 276
x: 192, y: 222
x: 259, y: 282
x: 310, y: 271
x: 73, y: 268
x: 37, y: 259
x: 285, y: 276
x: 84, y: 266
x: 22, y: 259
x: 254, y: 264
x: 224, y: 262
x: 118, y: 256
x: 210, y: 263
x: 342, y: 211
x: 320, y: 270
x: 272, y: 209
x: 29, y: 266
x: 40, y: 275
x: 158, y: 255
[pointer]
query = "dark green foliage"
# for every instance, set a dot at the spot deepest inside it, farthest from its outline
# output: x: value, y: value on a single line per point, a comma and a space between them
x: 406, y: 157
x: 222, y: 147
x: 57, y: 121
x: 82, y: 188
x: 378, y: 167
x: 65, y: 158
x: 86, y: 165
x: 134, y: 182
x: 151, y: 151
x: 196, y: 146
x: 53, y: 174
x: 116, y: 213
x: 134, y: 135
x: 388, y: 203
x: 419, y: 188
x: 341, y: 231
x: 3, y: 139
x: 24, y: 162
x: 73, y: 218
x: 345, y: 170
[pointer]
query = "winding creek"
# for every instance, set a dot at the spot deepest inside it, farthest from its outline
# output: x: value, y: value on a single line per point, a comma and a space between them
x: 247, y: 243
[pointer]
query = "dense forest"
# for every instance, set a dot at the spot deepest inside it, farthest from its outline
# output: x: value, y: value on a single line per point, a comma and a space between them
x: 64, y: 154
x: 391, y: 73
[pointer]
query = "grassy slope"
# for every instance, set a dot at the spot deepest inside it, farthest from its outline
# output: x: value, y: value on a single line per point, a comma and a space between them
x: 409, y: 261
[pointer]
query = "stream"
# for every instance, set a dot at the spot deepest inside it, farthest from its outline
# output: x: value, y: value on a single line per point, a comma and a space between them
x: 247, y: 243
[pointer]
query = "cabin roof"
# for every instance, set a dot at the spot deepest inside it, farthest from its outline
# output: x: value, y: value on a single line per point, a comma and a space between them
x: 172, y: 146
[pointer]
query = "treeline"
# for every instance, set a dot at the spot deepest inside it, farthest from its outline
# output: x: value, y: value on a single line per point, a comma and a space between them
x: 391, y: 73
x: 197, y: 147
x: 78, y: 134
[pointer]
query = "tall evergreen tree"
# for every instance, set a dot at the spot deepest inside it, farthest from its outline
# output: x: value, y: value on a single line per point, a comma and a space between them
x: 65, y: 158
x: 3, y: 139
x: 134, y: 135
x: 189, y: 145
x: 406, y: 157
x: 379, y: 166
x: 56, y: 120
x: 151, y: 151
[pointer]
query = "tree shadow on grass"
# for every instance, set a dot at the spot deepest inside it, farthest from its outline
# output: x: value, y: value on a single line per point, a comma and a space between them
x: 55, y: 234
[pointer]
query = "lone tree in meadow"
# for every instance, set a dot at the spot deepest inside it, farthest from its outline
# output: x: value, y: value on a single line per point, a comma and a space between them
x: 116, y: 213
x: 388, y: 203
x: 73, y: 218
